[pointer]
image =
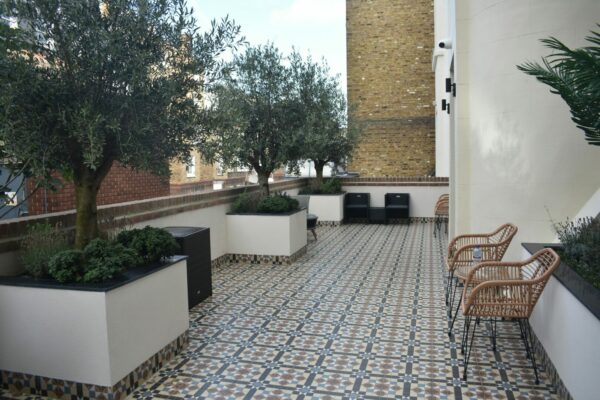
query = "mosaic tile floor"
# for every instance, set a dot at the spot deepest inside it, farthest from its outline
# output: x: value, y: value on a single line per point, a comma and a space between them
x: 361, y: 316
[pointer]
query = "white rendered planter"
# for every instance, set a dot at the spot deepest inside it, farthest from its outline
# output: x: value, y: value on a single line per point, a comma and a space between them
x: 97, y: 338
x: 568, y: 331
x: 266, y: 237
x: 329, y: 208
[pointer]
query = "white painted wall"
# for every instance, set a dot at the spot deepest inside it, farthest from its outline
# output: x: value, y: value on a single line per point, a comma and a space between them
x: 441, y: 68
x: 516, y: 150
x: 327, y: 207
x: 569, y: 333
x: 422, y: 198
x: 278, y: 235
x: 144, y: 317
x: 91, y: 337
x: 211, y: 217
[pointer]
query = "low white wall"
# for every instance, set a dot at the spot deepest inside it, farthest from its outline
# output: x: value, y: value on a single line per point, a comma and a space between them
x: 569, y: 333
x: 280, y: 235
x: 327, y: 207
x: 55, y: 333
x: 211, y: 217
x: 91, y: 337
x: 422, y: 198
x: 143, y: 317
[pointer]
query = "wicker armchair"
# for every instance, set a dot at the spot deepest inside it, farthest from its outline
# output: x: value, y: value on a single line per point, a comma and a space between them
x: 509, y: 291
x: 460, y: 258
x: 441, y: 212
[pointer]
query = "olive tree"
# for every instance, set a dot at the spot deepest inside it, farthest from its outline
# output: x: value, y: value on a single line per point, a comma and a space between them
x: 324, y: 135
x: 255, y: 114
x: 87, y: 83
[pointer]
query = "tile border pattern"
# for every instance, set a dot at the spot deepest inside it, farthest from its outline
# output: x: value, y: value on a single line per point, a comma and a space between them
x: 28, y: 384
x: 265, y: 259
x: 550, y: 369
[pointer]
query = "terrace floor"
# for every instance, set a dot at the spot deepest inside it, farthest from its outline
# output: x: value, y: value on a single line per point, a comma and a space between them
x: 362, y: 315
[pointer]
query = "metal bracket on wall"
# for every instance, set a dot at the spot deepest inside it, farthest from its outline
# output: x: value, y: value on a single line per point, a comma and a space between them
x: 454, y: 89
x: 448, y: 85
x: 444, y: 104
x: 448, y: 108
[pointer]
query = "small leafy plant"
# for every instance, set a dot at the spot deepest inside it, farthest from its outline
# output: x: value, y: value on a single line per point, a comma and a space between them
x: 277, y: 204
x: 151, y: 244
x: 246, y: 202
x: 102, y: 260
x: 40, y: 244
x: 581, y: 242
x: 331, y: 186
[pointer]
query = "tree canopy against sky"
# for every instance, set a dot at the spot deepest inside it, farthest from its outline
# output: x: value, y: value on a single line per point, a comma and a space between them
x: 324, y: 135
x: 85, y: 83
x: 256, y: 114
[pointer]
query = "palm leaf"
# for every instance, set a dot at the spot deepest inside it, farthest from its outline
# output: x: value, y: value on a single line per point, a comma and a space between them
x: 573, y: 74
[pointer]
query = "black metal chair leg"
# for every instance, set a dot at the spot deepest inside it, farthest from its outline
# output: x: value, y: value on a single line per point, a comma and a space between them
x: 453, y: 297
x: 455, y: 313
x: 314, y: 232
x: 469, y: 350
x: 465, y: 335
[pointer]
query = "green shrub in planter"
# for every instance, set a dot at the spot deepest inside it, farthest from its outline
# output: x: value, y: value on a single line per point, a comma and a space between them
x: 246, y: 203
x: 150, y: 244
x: 40, y: 244
x: 104, y: 260
x: 331, y: 186
x: 277, y: 204
x: 67, y: 266
x: 581, y: 242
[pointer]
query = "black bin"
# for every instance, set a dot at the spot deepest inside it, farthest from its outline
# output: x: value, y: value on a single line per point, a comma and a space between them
x: 195, y: 243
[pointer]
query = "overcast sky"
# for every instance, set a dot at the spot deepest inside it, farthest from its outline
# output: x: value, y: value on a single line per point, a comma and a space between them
x: 316, y: 27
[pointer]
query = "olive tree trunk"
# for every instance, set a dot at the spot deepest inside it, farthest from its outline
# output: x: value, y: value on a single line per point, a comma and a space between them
x: 263, y: 182
x: 87, y: 184
x: 319, y: 165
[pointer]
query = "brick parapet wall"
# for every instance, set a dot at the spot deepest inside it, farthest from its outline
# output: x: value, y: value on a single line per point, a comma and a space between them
x: 205, y: 185
x: 391, y: 85
x: 12, y: 231
x: 396, y: 181
x: 120, y: 185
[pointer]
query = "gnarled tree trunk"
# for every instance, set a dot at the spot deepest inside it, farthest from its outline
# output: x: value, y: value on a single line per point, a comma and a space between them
x: 87, y: 184
x: 263, y: 181
x: 319, y: 165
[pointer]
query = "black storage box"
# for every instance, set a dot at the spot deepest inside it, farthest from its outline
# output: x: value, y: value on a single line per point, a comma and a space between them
x: 195, y: 243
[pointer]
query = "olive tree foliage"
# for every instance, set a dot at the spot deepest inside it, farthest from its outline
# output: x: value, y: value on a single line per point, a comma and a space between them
x: 86, y: 83
x: 255, y: 114
x: 324, y: 135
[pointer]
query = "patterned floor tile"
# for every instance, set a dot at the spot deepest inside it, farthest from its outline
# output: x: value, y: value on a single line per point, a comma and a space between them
x: 360, y: 316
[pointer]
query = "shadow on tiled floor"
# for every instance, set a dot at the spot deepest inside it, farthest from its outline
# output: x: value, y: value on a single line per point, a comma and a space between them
x: 362, y: 315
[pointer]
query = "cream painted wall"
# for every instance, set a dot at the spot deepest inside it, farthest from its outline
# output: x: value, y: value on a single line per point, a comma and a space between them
x: 278, y: 235
x: 211, y: 217
x: 569, y: 333
x: 56, y: 333
x: 327, y: 207
x: 516, y: 151
x: 441, y: 68
x: 144, y: 317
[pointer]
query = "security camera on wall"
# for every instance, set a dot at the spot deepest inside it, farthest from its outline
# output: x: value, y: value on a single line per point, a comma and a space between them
x: 445, y: 43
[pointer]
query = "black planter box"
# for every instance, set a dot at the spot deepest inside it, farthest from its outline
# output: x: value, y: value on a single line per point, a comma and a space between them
x: 195, y: 244
x: 583, y: 291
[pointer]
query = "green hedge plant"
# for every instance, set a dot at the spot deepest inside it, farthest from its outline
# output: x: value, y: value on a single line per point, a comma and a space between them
x: 581, y: 242
x: 42, y: 241
x: 150, y: 244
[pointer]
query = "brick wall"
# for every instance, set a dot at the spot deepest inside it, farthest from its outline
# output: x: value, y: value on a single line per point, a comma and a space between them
x: 120, y: 185
x: 204, y: 171
x: 391, y: 86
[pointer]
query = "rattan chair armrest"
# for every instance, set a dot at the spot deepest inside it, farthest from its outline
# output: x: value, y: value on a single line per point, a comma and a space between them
x: 493, y: 271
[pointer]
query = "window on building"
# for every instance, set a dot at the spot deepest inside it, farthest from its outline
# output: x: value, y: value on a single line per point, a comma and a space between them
x: 220, y: 169
x: 190, y: 169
